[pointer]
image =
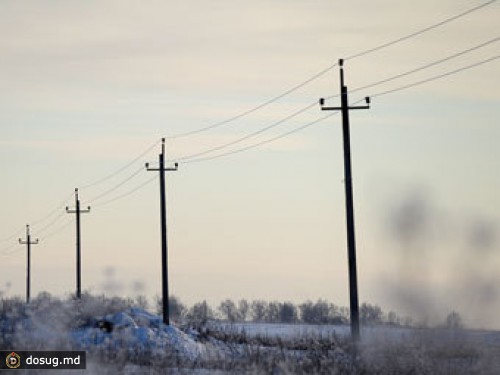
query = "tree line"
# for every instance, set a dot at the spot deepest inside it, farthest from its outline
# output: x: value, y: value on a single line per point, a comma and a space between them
x: 261, y: 311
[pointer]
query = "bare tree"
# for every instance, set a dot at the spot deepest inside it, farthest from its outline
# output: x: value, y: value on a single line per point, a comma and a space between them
x: 273, y: 312
x: 393, y: 319
x: 454, y: 321
x: 337, y: 315
x: 258, y: 310
x: 200, y: 313
x: 243, y: 309
x: 228, y: 310
x: 287, y: 312
x: 315, y: 313
x: 371, y: 314
x: 177, y: 310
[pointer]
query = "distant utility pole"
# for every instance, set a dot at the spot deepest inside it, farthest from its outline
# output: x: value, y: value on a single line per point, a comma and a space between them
x: 351, y: 242
x: 28, y: 244
x: 78, y: 211
x: 164, y: 244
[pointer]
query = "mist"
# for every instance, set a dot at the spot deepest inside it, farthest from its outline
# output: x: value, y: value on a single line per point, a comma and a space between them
x: 445, y: 261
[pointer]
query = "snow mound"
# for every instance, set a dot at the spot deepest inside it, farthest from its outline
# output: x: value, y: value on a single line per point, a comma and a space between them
x: 138, y: 331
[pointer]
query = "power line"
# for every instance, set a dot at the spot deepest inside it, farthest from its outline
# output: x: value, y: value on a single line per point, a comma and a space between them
x: 58, y: 230
x: 482, y: 62
x: 434, y: 63
x: 287, y: 92
x: 262, y: 142
x: 97, y: 182
x: 251, y: 135
x: 41, y: 220
x: 51, y: 213
x: 121, y: 183
x: 6, y: 252
x: 55, y: 220
x: 422, y: 31
x: 256, y: 108
x: 433, y: 78
x: 50, y: 224
x: 147, y: 182
x: 196, y: 157
x: 45, y: 227
x: 279, y: 122
x: 13, y: 235
x: 136, y: 159
x: 324, y: 71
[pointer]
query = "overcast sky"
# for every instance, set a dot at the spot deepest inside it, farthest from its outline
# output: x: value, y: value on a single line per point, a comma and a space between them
x: 88, y: 87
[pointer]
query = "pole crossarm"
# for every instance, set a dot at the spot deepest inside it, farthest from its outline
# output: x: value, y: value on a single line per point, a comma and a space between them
x: 340, y: 108
x: 175, y: 168
x: 85, y: 211
x: 28, y: 238
x: 77, y: 206
x: 351, y: 238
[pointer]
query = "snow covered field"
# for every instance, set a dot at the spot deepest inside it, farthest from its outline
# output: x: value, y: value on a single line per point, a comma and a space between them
x: 370, y: 334
x: 124, y: 339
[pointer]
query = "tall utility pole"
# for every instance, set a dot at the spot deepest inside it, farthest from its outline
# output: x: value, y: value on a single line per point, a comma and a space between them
x: 351, y: 241
x: 28, y: 244
x: 78, y: 211
x: 164, y: 244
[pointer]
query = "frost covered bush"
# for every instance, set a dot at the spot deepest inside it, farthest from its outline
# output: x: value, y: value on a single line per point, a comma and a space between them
x: 434, y: 352
x: 121, y: 337
x: 44, y: 323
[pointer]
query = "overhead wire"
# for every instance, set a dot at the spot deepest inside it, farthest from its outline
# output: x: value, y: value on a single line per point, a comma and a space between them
x: 126, y: 194
x: 96, y: 182
x: 50, y: 224
x: 256, y: 108
x: 13, y: 235
x: 381, y: 93
x: 434, y: 63
x: 59, y: 207
x: 128, y: 165
x: 419, y: 32
x: 260, y: 143
x: 62, y: 214
x: 324, y: 71
x: 272, y: 139
x: 302, y: 110
x: 6, y: 252
x: 121, y: 183
x: 417, y: 83
x: 277, y: 97
x: 58, y: 230
x: 275, y: 138
x: 33, y: 224
x: 248, y: 136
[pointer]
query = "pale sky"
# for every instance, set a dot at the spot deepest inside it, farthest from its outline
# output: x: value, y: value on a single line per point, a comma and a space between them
x: 89, y: 86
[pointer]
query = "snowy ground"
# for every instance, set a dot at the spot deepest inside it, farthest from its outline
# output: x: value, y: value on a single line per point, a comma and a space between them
x: 370, y: 334
x: 134, y: 341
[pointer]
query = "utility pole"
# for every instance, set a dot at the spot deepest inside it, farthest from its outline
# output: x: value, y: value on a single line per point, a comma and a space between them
x: 351, y: 241
x: 28, y: 244
x: 78, y: 211
x: 164, y: 244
